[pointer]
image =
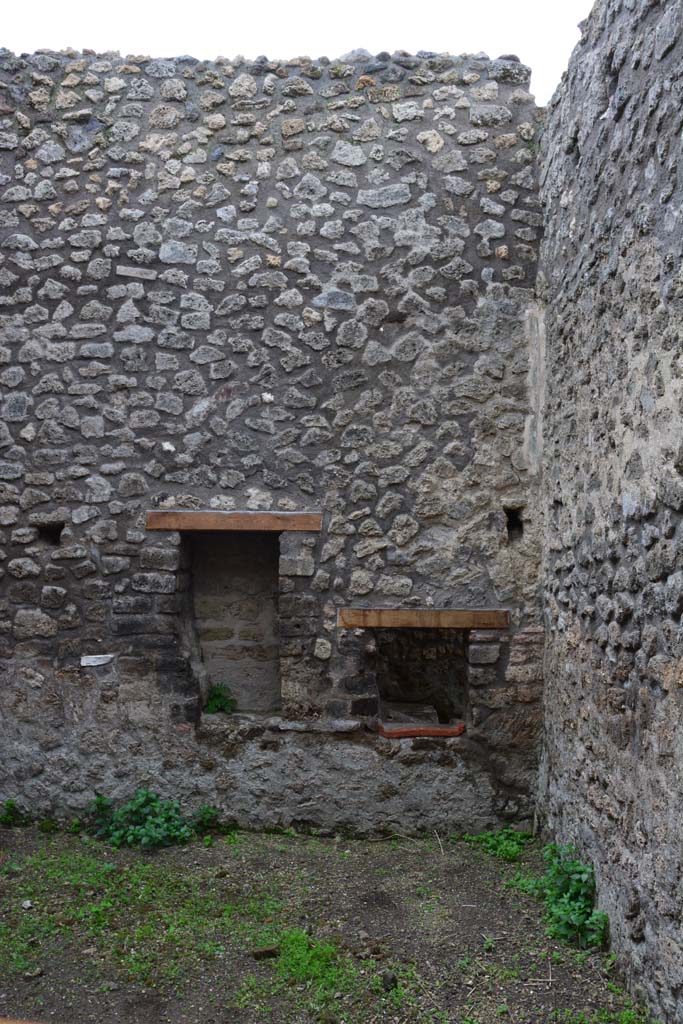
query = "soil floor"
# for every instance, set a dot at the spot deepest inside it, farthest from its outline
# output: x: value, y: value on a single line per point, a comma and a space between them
x: 287, y: 928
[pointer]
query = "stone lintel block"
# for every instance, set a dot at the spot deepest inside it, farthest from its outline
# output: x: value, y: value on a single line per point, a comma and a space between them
x: 483, y: 654
x: 154, y: 582
x: 133, y: 625
x: 300, y: 565
x: 488, y: 636
x: 525, y: 675
x: 320, y: 725
x: 486, y: 675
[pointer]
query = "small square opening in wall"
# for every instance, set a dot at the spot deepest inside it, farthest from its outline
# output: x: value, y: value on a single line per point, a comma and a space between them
x: 514, y: 523
x: 235, y: 606
x: 51, y: 533
x: 421, y: 675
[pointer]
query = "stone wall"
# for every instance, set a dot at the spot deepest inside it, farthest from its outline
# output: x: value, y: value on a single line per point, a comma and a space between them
x: 272, y: 286
x: 613, y: 284
x: 309, y: 287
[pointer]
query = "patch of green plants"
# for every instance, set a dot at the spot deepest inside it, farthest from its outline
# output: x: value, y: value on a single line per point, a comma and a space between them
x: 205, y: 819
x: 315, y: 974
x: 48, y: 826
x: 19, y: 941
x: 148, y: 821
x: 234, y: 840
x: 219, y: 699
x: 569, y: 897
x: 567, y: 889
x: 12, y: 816
x: 152, y: 923
x: 505, y: 843
x: 630, y: 1015
x: 315, y: 964
x: 522, y: 881
x: 255, y: 994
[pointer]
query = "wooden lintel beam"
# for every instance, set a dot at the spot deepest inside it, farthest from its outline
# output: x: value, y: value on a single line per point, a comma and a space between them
x: 210, y: 520
x: 423, y: 618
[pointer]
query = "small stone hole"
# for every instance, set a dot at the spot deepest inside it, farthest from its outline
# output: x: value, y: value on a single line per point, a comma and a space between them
x: 51, y: 533
x: 514, y: 524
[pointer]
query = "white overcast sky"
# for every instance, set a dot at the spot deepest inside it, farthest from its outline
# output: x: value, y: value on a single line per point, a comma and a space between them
x: 541, y: 32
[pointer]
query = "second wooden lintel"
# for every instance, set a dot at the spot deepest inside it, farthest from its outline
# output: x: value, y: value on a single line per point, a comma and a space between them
x: 423, y: 618
x: 211, y: 520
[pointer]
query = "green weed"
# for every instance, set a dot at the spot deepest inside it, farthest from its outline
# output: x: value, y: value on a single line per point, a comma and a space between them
x: 219, y: 699
x: 630, y: 1015
x: 205, y: 819
x: 316, y: 965
x: 12, y: 816
x: 148, y: 921
x: 48, y: 826
x: 149, y: 821
x: 505, y: 843
x: 146, y: 821
x: 567, y: 889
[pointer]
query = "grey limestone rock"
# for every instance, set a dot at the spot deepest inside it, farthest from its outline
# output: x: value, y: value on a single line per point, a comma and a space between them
x: 388, y: 195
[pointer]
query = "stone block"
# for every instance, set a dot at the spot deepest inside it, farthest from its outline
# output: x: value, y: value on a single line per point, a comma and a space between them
x: 483, y: 654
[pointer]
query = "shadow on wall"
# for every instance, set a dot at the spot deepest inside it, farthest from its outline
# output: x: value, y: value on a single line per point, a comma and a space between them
x: 235, y: 608
x: 421, y: 675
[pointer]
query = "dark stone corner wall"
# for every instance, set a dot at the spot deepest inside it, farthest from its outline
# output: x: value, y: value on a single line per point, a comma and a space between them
x: 612, y: 284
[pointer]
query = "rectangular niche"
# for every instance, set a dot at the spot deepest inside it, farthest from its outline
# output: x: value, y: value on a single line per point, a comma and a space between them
x: 235, y: 607
x: 421, y: 676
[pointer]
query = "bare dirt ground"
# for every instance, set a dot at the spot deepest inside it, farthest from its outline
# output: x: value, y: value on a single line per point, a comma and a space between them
x: 247, y: 927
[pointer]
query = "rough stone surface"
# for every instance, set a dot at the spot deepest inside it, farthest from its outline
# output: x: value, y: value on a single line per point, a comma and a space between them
x: 310, y: 286
x: 613, y: 198
x: 264, y: 286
